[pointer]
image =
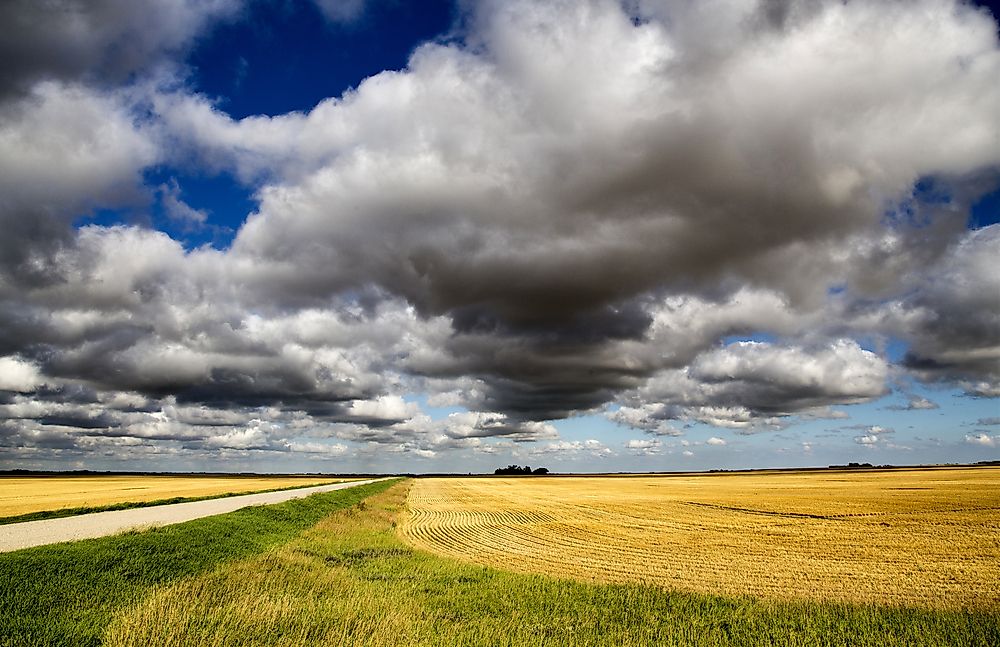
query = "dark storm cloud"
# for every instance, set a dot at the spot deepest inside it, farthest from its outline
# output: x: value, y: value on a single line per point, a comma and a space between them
x: 33, y: 237
x: 103, y: 41
x: 532, y: 378
x: 573, y: 205
x: 547, y: 368
x: 952, y: 317
x: 79, y: 422
x: 64, y: 151
x: 11, y: 436
x: 541, y: 192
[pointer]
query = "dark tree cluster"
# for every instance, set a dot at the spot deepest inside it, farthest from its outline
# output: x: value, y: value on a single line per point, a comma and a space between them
x: 517, y: 470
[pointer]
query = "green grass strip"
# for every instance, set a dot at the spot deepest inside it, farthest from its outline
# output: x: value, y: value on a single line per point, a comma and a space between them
x: 127, y: 505
x: 65, y: 594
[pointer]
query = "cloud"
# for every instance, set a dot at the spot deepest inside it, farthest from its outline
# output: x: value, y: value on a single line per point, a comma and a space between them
x: 871, y: 435
x: 566, y: 449
x: 97, y: 41
x: 64, y: 151
x: 953, y: 319
x: 19, y: 376
x: 341, y: 11
x: 178, y: 210
x: 319, y: 449
x: 386, y: 409
x: 754, y: 385
x: 716, y: 441
x: 475, y: 424
x: 498, y: 153
x: 644, y: 447
x: 984, y: 439
x: 798, y: 377
x: 916, y: 403
x: 653, y: 418
x: 573, y: 207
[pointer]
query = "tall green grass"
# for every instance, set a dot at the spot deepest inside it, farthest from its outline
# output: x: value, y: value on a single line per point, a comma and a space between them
x: 350, y: 581
x: 66, y: 594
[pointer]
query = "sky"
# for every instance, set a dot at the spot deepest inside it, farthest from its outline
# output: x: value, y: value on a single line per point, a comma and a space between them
x: 595, y: 236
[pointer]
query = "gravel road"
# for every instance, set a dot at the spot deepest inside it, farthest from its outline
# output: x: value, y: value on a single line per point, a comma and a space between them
x: 16, y: 536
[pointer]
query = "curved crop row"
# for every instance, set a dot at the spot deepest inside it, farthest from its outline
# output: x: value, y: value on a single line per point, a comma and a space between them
x: 916, y: 537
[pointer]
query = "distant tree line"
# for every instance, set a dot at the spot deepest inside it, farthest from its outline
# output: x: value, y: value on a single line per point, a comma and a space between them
x: 512, y: 470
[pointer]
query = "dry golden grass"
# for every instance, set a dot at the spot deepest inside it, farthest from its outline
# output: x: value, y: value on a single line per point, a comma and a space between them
x: 922, y: 537
x: 23, y: 495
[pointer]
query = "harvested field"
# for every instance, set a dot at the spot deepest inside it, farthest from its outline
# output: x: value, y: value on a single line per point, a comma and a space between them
x: 23, y: 495
x: 922, y: 537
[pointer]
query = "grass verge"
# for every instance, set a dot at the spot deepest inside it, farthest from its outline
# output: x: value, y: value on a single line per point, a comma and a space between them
x: 66, y: 594
x: 350, y: 581
x: 126, y: 505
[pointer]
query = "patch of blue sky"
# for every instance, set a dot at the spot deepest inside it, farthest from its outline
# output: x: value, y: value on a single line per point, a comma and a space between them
x: 931, y: 190
x: 193, y: 209
x: 930, y: 193
x: 837, y: 289
x: 892, y: 349
x: 760, y: 337
x: 239, y: 64
x: 224, y: 202
x: 236, y: 66
x: 986, y: 210
x: 954, y: 417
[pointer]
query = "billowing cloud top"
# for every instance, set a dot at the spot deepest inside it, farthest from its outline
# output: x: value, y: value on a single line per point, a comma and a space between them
x: 566, y: 208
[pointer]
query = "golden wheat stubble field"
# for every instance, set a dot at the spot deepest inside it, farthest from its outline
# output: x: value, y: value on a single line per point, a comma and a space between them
x: 922, y: 537
x: 25, y: 494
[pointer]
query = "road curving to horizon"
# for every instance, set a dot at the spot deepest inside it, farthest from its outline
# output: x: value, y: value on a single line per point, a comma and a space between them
x: 28, y: 534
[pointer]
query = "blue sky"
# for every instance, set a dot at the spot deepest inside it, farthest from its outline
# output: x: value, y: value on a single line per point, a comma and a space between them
x: 386, y: 236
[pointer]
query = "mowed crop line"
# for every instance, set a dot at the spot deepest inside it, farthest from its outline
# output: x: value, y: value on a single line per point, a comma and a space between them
x: 538, y: 548
x: 926, y: 538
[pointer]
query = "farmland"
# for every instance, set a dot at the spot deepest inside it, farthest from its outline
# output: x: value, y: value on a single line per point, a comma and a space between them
x: 926, y: 538
x: 25, y: 495
x: 332, y: 569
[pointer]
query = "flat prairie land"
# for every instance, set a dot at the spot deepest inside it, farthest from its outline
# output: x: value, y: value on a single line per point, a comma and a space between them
x: 21, y: 495
x: 330, y: 569
x: 926, y: 538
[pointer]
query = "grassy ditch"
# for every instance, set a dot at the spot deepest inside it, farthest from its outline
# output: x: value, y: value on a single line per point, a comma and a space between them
x: 67, y: 594
x: 350, y: 581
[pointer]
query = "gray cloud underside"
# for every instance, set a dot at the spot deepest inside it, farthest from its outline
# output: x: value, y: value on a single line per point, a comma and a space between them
x: 98, y: 41
x: 570, y: 208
